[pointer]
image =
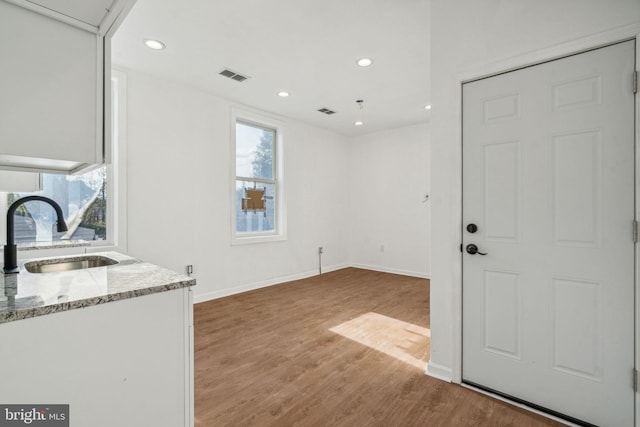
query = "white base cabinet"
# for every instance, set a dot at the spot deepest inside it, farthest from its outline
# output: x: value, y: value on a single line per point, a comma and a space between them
x: 123, y: 363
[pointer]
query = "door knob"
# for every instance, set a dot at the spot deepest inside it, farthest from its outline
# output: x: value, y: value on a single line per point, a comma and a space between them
x: 473, y: 249
x: 472, y: 228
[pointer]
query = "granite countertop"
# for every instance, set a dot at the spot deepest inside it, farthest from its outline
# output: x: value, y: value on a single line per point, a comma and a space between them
x: 26, y: 295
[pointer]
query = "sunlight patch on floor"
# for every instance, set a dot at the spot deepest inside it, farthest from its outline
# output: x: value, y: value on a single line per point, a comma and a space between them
x: 404, y: 341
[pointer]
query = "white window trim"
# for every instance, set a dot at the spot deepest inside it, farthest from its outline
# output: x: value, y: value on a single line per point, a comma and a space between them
x: 116, y: 170
x: 280, y: 232
x: 117, y: 209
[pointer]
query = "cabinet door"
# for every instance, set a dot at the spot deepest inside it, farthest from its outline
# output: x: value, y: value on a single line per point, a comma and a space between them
x: 125, y: 363
x: 51, y: 86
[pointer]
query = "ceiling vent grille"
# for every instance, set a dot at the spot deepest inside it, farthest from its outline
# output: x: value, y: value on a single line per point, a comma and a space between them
x: 326, y: 111
x: 233, y: 75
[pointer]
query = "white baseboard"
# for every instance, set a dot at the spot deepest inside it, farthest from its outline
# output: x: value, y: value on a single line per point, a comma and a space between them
x: 277, y: 280
x: 438, y: 371
x: 263, y: 284
x: 392, y: 270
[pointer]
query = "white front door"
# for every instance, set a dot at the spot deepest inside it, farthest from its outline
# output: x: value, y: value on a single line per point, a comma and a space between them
x: 548, y: 181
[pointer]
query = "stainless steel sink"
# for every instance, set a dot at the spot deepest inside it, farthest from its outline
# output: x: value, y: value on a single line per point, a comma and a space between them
x: 68, y: 263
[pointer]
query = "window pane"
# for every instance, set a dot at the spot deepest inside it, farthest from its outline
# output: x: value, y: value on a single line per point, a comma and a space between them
x: 254, y: 151
x: 250, y: 220
x: 83, y: 199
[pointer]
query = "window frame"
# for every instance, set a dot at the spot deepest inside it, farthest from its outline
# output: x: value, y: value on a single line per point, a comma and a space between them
x: 260, y: 121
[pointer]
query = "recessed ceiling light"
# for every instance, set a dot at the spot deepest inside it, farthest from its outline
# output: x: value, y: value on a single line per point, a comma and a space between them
x: 358, y: 123
x: 154, y: 44
x: 283, y: 94
x: 364, y: 62
x: 427, y: 107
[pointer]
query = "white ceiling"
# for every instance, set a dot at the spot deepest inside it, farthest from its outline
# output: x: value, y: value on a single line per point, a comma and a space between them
x: 306, y: 47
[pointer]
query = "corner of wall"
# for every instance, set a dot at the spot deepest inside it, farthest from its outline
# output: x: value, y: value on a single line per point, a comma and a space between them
x: 438, y: 371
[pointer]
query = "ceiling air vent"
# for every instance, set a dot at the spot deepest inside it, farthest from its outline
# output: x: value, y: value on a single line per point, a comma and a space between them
x: 327, y: 111
x: 233, y: 75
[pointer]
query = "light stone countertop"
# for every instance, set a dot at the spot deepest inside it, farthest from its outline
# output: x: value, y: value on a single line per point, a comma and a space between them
x: 26, y: 295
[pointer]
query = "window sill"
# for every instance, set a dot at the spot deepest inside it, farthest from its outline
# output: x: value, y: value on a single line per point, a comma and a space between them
x: 253, y: 239
x: 34, y: 246
x: 31, y: 250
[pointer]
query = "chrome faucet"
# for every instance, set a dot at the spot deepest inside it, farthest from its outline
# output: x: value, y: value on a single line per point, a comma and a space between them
x: 10, y: 249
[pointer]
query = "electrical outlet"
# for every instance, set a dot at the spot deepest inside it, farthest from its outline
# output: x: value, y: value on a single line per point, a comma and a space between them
x: 320, y: 250
x: 189, y: 269
x: 381, y: 248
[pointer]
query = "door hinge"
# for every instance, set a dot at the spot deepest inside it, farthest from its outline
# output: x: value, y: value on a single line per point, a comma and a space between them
x: 635, y: 82
x: 635, y: 380
x: 635, y: 231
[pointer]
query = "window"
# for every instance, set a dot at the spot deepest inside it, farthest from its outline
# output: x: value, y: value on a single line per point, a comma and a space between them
x: 257, y: 192
x: 83, y: 199
x: 87, y: 200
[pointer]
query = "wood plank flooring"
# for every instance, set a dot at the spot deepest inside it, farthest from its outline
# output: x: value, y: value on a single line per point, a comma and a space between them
x: 347, y: 348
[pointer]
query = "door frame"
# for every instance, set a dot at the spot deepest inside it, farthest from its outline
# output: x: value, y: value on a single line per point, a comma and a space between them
x: 533, y: 58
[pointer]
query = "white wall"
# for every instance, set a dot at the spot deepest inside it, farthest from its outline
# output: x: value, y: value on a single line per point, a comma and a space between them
x: 471, y: 38
x: 348, y: 195
x: 178, y: 186
x: 389, y: 178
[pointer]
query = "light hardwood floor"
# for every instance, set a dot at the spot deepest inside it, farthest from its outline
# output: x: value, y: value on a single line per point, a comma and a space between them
x: 347, y: 348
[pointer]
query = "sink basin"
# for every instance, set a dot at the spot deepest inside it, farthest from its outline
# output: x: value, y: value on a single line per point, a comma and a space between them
x: 68, y: 264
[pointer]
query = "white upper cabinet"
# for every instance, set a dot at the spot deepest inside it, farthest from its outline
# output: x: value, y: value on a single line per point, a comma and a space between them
x: 54, y: 70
